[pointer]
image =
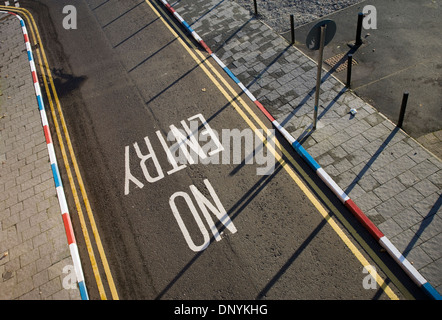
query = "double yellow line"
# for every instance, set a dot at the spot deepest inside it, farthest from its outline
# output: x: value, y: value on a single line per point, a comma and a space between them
x: 52, y: 97
x: 232, y: 97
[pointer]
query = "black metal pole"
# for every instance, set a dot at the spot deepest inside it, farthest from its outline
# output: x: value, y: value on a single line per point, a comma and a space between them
x: 359, y: 29
x: 256, y: 7
x: 349, y: 64
x: 403, y: 107
x: 292, y: 24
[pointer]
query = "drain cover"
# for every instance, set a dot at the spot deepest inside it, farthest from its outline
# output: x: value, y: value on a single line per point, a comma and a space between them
x: 339, y: 62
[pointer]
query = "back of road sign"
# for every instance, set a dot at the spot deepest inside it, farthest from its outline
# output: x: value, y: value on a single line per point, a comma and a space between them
x: 314, y: 36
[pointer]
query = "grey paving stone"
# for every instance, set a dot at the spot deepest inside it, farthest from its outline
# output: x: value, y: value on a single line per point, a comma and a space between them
x: 355, y: 143
x: 407, y: 218
x: 408, y: 179
x: 424, y: 169
x: 392, y: 229
x: 432, y: 271
x: 389, y: 189
x: 390, y: 208
x: 368, y: 201
x: 393, y: 169
x: 409, y: 196
x: 426, y: 187
x: 436, y: 179
x: 418, y: 258
x: 429, y: 206
x: 433, y: 248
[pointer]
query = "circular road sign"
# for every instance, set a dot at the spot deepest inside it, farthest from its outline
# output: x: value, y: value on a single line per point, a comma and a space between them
x: 314, y: 36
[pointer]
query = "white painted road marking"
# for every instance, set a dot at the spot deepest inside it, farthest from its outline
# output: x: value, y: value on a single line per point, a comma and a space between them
x: 205, y: 206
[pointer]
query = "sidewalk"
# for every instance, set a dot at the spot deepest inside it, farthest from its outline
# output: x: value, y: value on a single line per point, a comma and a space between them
x: 394, y: 180
x: 35, y: 260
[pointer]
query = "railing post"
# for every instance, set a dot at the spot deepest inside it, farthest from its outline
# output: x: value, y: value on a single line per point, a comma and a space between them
x: 349, y: 64
x: 358, y: 41
x: 292, y: 25
x: 403, y: 107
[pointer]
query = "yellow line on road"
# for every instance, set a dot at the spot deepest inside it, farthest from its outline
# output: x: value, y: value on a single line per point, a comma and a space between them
x: 232, y: 100
x: 36, y: 38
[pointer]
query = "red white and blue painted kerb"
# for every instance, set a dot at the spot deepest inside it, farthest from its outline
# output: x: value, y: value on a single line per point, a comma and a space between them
x: 56, y: 174
x: 344, y: 198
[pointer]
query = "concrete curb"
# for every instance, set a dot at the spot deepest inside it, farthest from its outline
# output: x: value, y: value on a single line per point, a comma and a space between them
x: 344, y: 198
x: 54, y: 166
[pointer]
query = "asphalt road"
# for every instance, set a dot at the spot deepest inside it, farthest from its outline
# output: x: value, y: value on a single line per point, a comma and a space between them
x: 124, y: 80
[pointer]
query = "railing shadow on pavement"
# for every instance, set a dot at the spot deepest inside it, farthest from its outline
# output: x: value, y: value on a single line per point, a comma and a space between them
x: 185, y: 74
x: 261, y: 73
x: 135, y: 33
x: 233, y: 34
x: 372, y: 160
x: 152, y: 55
x: 101, y: 4
x: 426, y: 221
x: 124, y: 13
x: 290, y: 261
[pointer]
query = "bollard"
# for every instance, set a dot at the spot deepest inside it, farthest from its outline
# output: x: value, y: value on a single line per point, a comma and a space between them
x: 402, y: 112
x: 358, y: 41
x: 256, y: 7
x: 349, y: 64
x: 292, y: 24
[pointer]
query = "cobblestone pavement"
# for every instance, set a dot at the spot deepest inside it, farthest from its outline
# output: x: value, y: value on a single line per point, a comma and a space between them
x: 34, y: 253
x: 388, y: 174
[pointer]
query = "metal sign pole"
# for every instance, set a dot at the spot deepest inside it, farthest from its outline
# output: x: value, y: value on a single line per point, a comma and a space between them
x: 318, y: 37
x: 318, y: 76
